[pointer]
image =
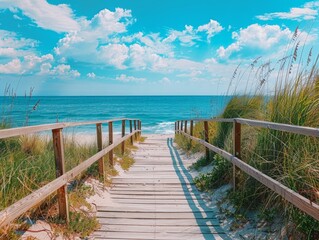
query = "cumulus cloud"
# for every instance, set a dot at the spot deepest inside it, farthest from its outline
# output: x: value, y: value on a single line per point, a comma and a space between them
x: 211, y: 28
x: 308, y: 11
x: 61, y: 70
x: 125, y: 78
x: 12, y: 46
x: 256, y: 36
x: 12, y: 67
x: 165, y: 80
x: 190, y: 35
x: 94, y: 42
x: 59, y: 18
x: 91, y: 75
x: 186, y: 37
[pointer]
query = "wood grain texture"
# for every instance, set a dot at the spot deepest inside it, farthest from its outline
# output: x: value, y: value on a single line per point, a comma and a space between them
x: 286, y: 193
x: 14, y: 132
x: 15, y: 210
x: 156, y: 199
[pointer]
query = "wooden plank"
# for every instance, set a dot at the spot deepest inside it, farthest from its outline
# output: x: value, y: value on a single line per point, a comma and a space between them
x: 236, y: 149
x: 185, y: 128
x: 15, y: 210
x: 158, y: 236
x: 152, y: 209
x: 157, y: 229
x: 111, y: 160
x: 123, y: 134
x: 158, y: 222
x: 155, y: 201
x: 157, y: 215
x: 131, y: 130
x: 206, y: 137
x: 150, y: 197
x: 135, y: 135
x: 13, y: 132
x: 99, y: 148
x: 60, y: 170
x: 154, y: 193
x: 291, y: 196
x: 307, y: 131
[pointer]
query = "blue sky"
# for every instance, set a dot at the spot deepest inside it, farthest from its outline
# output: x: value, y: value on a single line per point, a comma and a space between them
x: 143, y: 47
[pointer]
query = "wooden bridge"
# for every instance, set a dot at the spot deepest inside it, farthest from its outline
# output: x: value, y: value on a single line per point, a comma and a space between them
x: 156, y: 199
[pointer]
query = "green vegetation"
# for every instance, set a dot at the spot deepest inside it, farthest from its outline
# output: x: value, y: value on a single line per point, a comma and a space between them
x: 289, y: 158
x: 27, y: 163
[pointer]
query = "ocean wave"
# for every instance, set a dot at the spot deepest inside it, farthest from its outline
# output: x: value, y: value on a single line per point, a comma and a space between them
x: 160, y: 128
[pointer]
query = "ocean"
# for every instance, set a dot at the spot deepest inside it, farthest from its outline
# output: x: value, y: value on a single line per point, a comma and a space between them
x: 157, y: 113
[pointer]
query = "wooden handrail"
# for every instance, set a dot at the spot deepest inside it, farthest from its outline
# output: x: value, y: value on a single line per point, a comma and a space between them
x: 288, y: 194
x: 59, y: 184
x: 14, y: 132
x: 307, y: 131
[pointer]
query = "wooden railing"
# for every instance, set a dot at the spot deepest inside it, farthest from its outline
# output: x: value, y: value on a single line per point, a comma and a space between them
x: 288, y: 194
x: 62, y: 178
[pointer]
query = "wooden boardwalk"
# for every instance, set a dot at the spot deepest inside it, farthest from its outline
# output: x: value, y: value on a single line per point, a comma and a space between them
x: 156, y: 199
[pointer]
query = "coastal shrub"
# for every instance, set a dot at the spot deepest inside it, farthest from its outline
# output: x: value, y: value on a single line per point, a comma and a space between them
x: 292, y: 159
x: 216, y: 177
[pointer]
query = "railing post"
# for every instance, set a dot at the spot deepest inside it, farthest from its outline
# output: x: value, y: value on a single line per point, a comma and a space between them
x: 60, y: 170
x: 99, y: 148
x: 185, y: 128
x: 182, y: 125
x: 135, y: 134
x: 175, y: 125
x: 123, y: 134
x: 131, y: 130
x: 236, y: 149
x: 191, y: 130
x: 140, y: 127
x: 111, y: 162
x: 206, y: 131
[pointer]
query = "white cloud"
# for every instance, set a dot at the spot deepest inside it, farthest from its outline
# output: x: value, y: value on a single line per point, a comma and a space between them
x: 308, y: 11
x: 211, y: 28
x: 12, y: 67
x: 12, y: 46
x: 190, y: 35
x: 256, y: 36
x: 59, y: 18
x: 165, y: 80
x: 94, y: 42
x: 61, y: 70
x: 186, y: 37
x: 115, y: 55
x: 125, y: 78
x: 91, y: 75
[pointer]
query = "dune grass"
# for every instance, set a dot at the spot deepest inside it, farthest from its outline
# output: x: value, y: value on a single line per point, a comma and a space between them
x: 289, y: 158
x: 27, y: 163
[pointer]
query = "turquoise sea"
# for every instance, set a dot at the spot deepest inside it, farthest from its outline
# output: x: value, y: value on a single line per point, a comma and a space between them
x: 157, y: 113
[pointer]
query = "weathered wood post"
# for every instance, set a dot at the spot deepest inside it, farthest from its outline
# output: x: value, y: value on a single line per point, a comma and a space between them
x: 123, y: 134
x: 140, y: 127
x: 131, y: 130
x: 185, y: 128
x: 206, y: 131
x: 182, y: 125
x: 191, y: 130
x: 111, y: 162
x: 99, y: 148
x: 177, y: 126
x: 135, y: 134
x: 236, y: 150
x: 60, y: 170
